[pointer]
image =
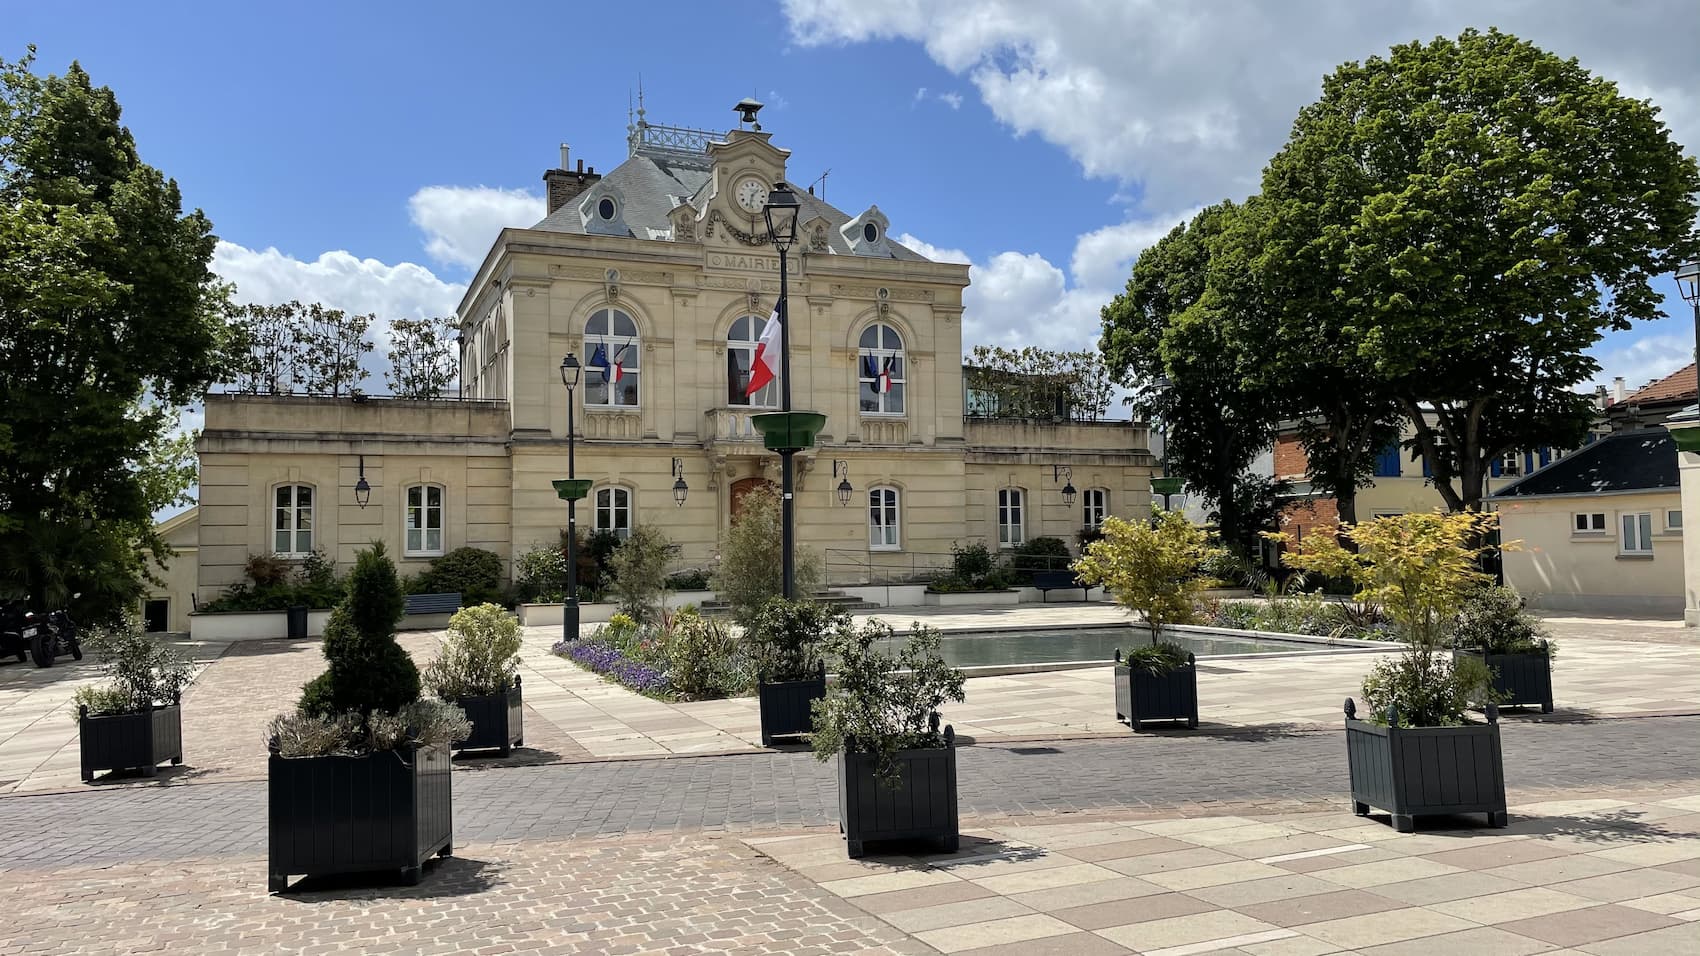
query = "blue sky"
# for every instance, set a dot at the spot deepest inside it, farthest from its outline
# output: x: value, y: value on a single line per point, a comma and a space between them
x: 364, y: 154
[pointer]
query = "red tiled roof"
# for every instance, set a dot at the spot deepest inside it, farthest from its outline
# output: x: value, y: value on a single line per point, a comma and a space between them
x: 1678, y: 384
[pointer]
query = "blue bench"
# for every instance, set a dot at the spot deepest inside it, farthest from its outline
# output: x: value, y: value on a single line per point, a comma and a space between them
x: 446, y: 603
x: 1048, y: 581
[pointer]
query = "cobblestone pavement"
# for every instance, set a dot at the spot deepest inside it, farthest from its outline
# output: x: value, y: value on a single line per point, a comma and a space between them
x: 1188, y: 773
x: 670, y: 895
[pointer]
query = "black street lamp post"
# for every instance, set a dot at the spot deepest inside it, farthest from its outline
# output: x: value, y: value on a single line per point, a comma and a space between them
x: 781, y: 214
x: 572, y: 490
x: 1688, y: 283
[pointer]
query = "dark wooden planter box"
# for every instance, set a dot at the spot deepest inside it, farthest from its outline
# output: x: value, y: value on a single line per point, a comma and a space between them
x: 136, y: 741
x: 1141, y: 697
x: 787, y: 706
x: 1518, y: 678
x: 389, y: 810
x: 498, y: 720
x: 1426, y: 771
x: 921, y: 807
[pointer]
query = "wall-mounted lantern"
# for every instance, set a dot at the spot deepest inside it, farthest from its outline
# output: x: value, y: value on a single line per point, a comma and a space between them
x: 680, y: 489
x: 841, y: 471
x: 362, y: 488
x: 1065, y: 474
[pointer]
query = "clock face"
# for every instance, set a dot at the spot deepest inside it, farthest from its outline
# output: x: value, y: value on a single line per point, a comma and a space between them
x: 751, y: 195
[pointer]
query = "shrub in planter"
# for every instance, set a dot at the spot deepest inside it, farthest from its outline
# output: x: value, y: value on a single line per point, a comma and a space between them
x: 1039, y: 554
x: 1416, y: 753
x: 1493, y: 628
x: 478, y: 671
x: 896, y: 770
x: 784, y: 640
x: 1157, y: 682
x: 640, y: 573
x: 1151, y: 568
x: 134, y: 720
x: 688, y: 579
x: 473, y: 573
x: 750, y: 570
x: 358, y: 777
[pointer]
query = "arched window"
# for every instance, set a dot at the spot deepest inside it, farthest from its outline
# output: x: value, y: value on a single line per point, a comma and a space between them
x: 611, y: 371
x: 1095, y: 507
x: 614, y: 511
x: 424, y: 516
x: 1011, y: 518
x: 884, y: 532
x: 741, y: 344
x: 881, y: 371
x: 292, y: 521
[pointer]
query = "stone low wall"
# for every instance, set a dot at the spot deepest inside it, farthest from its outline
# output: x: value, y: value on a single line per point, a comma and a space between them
x: 546, y: 615
x: 251, y: 625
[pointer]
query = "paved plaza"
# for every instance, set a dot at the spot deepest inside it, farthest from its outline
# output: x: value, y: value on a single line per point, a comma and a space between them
x: 629, y: 825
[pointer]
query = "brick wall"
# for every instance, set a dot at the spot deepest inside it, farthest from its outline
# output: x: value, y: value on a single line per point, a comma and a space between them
x: 1301, y: 519
x: 1290, y: 461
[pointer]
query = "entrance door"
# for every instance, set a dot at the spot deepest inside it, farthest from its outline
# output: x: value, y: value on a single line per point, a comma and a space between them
x: 744, y: 486
x: 155, y: 615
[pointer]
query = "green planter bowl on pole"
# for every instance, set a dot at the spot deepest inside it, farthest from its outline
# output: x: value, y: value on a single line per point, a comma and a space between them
x: 571, y: 489
x: 788, y: 431
x: 1167, y: 486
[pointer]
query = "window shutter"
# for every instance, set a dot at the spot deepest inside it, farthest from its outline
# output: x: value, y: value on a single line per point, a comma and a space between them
x: 1546, y: 456
x: 1493, y: 469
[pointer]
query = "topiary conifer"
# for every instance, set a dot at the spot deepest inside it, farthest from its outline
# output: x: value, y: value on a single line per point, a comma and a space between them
x: 368, y: 669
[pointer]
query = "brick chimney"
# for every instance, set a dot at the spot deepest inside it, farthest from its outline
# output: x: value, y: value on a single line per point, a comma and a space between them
x: 563, y: 184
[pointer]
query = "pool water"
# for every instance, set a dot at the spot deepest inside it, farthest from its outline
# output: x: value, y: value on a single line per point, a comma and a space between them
x: 1051, y: 645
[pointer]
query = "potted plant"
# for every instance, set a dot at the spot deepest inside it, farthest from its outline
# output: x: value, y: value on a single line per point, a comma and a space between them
x: 135, y: 719
x: 358, y: 778
x: 1493, y: 628
x: 784, y: 640
x: 896, y: 769
x: 1416, y: 753
x: 478, y: 671
x: 1153, y: 569
x: 1156, y: 682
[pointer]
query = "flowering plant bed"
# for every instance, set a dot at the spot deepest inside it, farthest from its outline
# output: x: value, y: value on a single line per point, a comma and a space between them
x: 610, y: 663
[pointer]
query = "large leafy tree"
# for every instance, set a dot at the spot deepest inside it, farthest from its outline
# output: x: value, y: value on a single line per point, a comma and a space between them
x: 1466, y: 218
x: 423, y: 360
x: 110, y: 322
x: 1176, y: 341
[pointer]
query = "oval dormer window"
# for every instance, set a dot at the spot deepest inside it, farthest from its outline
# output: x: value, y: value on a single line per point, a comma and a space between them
x: 870, y: 232
x: 605, y: 209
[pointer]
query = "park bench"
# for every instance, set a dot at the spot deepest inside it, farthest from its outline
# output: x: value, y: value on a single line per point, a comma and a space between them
x: 446, y: 603
x: 1048, y: 581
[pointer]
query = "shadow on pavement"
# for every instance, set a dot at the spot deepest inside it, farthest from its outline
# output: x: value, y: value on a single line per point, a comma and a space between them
x: 1605, y: 827
x: 447, y: 877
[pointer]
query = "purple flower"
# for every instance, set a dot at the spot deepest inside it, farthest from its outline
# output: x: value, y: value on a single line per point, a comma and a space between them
x: 606, y: 660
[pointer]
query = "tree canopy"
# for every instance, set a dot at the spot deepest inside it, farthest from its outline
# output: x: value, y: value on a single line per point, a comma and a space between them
x: 110, y: 321
x: 1459, y: 222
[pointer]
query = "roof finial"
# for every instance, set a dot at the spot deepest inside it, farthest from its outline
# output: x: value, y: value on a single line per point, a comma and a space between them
x: 640, y: 100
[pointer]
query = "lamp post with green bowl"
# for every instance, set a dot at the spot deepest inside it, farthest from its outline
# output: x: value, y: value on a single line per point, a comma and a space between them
x: 571, y: 490
x: 785, y: 431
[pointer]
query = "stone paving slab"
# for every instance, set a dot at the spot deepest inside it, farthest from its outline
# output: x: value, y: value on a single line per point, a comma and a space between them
x: 1123, y: 886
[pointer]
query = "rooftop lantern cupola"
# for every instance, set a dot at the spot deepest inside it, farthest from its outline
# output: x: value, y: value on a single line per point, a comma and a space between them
x: 747, y: 109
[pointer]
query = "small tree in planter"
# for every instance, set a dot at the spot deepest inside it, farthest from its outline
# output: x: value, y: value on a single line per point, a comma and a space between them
x: 896, y: 769
x: 1493, y: 628
x: 1417, y: 754
x: 1153, y: 569
x: 135, y: 719
x: 358, y: 777
x: 750, y: 571
x: 478, y: 671
x: 784, y: 640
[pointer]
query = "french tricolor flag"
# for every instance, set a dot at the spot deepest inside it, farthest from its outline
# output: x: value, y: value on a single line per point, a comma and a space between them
x: 878, y: 369
x: 765, y: 367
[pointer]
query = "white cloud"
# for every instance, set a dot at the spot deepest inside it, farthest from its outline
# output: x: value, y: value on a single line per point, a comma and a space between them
x: 952, y: 100
x: 460, y: 223
x: 920, y: 94
x: 935, y: 253
x: 1191, y: 100
x: 1666, y: 347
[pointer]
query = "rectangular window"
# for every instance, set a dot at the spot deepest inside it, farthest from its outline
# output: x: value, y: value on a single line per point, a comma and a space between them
x: 1511, y: 464
x: 1638, y: 533
x: 292, y: 521
x: 614, y: 511
x: 1673, y: 520
x: 424, y: 519
x: 1011, y: 532
x: 883, y: 532
x: 1095, y: 508
x: 1590, y: 523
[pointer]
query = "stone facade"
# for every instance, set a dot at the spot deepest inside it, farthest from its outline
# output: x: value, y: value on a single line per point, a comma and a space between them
x: 680, y: 299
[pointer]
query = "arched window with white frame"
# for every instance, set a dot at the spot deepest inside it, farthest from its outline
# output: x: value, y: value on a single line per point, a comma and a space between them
x: 292, y: 520
x: 742, y: 340
x: 612, y: 351
x: 613, y: 508
x: 423, y: 519
x: 884, y: 520
x: 1095, y: 507
x: 1012, y: 517
x: 881, y: 371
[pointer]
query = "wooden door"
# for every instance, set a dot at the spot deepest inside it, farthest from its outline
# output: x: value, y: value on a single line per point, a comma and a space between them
x: 744, y: 486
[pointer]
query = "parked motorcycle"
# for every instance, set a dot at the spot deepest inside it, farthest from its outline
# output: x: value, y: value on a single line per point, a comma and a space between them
x: 17, y: 629
x: 55, y: 637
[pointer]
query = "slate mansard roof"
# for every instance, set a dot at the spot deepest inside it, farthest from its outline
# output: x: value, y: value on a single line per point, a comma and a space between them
x: 1640, y: 460
x: 653, y: 184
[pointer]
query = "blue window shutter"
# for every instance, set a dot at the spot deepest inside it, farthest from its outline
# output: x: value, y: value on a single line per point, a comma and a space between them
x: 1387, y: 463
x: 1528, y: 462
x: 1494, y: 468
x: 1428, y: 471
x: 1546, y: 456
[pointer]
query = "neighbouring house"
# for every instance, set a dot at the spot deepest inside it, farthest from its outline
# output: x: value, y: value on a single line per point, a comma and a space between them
x: 166, y: 605
x: 659, y: 275
x: 1601, y: 529
x: 1650, y: 405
